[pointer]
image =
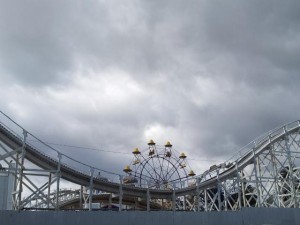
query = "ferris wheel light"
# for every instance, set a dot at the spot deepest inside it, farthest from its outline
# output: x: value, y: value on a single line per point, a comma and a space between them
x: 136, y: 151
x: 182, y: 156
x: 191, y: 173
x: 151, y: 142
x: 168, y: 144
x: 127, y: 169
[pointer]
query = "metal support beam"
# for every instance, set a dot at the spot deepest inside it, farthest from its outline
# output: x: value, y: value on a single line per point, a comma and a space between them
x: 219, y: 191
x: 173, y: 199
x: 109, y: 201
x: 49, y: 189
x: 256, y: 178
x: 58, y: 180
x: 121, y: 193
x: 205, y: 200
x: 38, y: 192
x: 80, y: 197
x: 275, y: 174
x: 239, y: 186
x: 10, y: 154
x: 91, y: 188
x: 291, y: 168
x: 148, y: 198
x: 198, y: 195
x: 22, y: 169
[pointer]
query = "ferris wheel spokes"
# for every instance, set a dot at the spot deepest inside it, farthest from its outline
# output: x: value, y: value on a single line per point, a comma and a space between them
x: 157, y: 167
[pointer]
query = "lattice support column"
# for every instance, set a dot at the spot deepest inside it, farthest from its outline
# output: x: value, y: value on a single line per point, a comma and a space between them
x: 198, y: 195
x: 219, y: 191
x: 121, y: 193
x: 275, y: 174
x: 91, y: 188
x: 58, y: 174
x: 291, y: 167
x: 49, y: 190
x: 239, y: 186
x: 21, y: 171
x: 256, y: 178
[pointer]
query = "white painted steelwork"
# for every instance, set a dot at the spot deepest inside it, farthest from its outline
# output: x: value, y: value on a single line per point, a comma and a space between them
x: 265, y: 173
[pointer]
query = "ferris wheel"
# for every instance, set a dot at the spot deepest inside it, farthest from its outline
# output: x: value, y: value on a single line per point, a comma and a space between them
x: 157, y: 167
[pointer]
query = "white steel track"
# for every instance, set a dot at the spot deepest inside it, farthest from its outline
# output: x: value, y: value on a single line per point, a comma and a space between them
x: 215, y: 187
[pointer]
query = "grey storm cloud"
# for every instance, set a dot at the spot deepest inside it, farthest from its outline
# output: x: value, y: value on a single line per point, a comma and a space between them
x: 209, y: 76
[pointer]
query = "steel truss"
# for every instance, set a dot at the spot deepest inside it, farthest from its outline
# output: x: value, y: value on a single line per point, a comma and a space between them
x: 265, y: 173
x: 37, y: 183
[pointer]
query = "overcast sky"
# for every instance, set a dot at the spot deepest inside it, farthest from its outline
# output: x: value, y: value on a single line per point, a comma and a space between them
x: 209, y: 76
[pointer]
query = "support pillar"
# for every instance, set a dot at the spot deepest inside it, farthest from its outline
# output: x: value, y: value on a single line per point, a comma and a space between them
x: 198, y: 194
x: 91, y: 188
x: 256, y: 179
x: 121, y: 193
x: 173, y: 199
x: 81, y: 197
x: 58, y: 181
x: 219, y: 191
x: 275, y: 172
x: 49, y: 189
x: 205, y: 200
x: 291, y: 165
x: 22, y: 169
x: 110, y: 201
x: 148, y: 198
x: 239, y: 183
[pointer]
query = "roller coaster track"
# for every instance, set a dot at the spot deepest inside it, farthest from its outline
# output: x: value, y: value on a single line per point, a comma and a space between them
x: 69, y: 173
x: 218, y: 175
x: 73, y: 199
